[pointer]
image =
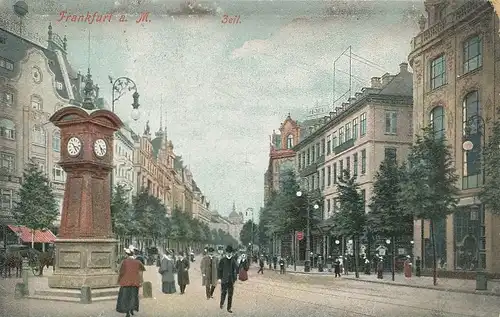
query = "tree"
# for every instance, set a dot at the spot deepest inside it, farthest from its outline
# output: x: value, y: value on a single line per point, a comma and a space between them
x: 149, y: 216
x: 387, y: 217
x: 246, y: 232
x: 181, y: 231
x: 490, y: 192
x: 120, y: 211
x: 429, y: 186
x: 37, y: 207
x: 350, y: 221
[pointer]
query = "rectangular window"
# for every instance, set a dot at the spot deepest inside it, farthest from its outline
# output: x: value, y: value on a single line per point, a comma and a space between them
x: 299, y: 160
x: 362, y: 125
x: 313, y: 154
x: 7, y: 98
x: 472, y: 54
x: 355, y: 164
x: 313, y: 180
x: 6, y: 198
x: 329, y: 176
x: 390, y: 153
x: 348, y: 131
x: 318, y: 150
x: 323, y: 147
x: 334, y: 140
x: 335, y: 173
x: 341, y: 169
x: 348, y: 165
x: 323, y: 180
x: 328, y: 207
x: 308, y: 156
x: 303, y: 160
x: 438, y: 72
x: 363, y: 196
x: 7, y: 162
x: 355, y: 128
x: 58, y: 174
x: 318, y: 185
x: 328, y: 145
x: 36, y: 104
x: 59, y: 85
x: 391, y: 122
x: 363, y: 162
x: 341, y: 136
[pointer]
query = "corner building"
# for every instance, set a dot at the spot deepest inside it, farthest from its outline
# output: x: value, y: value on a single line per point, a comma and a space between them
x: 357, y: 137
x: 455, y: 59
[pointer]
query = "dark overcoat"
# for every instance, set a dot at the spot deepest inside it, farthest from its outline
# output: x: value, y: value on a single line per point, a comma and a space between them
x: 209, y: 265
x: 182, y: 267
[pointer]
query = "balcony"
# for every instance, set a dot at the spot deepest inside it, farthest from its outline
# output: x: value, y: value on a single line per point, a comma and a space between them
x: 434, y: 31
x: 309, y: 170
x: 344, y: 146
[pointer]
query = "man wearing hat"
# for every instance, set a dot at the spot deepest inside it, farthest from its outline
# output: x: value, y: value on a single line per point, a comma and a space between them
x: 209, y: 272
x: 227, y: 274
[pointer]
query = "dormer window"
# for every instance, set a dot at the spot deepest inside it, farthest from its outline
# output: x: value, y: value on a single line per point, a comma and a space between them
x: 289, y: 142
x: 59, y: 85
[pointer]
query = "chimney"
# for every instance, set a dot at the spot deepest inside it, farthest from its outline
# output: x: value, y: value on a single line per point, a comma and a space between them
x: 338, y: 109
x: 376, y: 82
x: 403, y: 67
x: 386, y: 78
x: 325, y: 119
x: 358, y: 95
x: 345, y: 105
x: 332, y: 114
x: 351, y: 100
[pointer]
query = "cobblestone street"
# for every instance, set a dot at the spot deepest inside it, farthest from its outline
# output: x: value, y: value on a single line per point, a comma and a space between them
x: 273, y: 295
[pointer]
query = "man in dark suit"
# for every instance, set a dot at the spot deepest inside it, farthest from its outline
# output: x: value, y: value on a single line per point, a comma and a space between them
x: 227, y: 274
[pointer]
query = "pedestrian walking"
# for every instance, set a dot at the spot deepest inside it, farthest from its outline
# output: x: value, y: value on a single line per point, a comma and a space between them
x: 209, y: 272
x: 337, y: 268
x: 275, y: 262
x: 182, y: 267
x: 227, y: 271
x: 243, y: 267
x: 418, y: 264
x: 408, y: 267
x: 341, y: 263
x: 129, y: 279
x: 380, y: 268
x: 167, y: 271
x: 261, y: 265
x: 282, y: 265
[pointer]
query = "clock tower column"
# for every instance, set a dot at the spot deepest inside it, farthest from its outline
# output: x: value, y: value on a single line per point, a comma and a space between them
x: 85, y: 248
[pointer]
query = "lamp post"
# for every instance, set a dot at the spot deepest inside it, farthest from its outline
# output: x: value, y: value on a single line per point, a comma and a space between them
x: 393, y: 270
x: 253, y: 233
x: 337, y: 242
x: 307, y: 262
x: 476, y: 122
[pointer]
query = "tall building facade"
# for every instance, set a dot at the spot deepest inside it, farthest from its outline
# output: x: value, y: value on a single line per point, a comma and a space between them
x: 456, y: 64
x: 357, y: 136
x: 35, y: 81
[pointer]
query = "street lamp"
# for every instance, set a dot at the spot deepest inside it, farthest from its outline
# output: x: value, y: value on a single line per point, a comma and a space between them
x: 307, y: 262
x: 476, y: 211
x: 251, y: 248
x: 393, y: 271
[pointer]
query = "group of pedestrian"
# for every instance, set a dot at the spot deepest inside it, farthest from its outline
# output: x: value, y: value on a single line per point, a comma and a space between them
x: 169, y: 267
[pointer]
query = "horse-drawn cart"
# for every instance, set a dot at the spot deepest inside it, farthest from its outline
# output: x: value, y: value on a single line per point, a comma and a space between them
x: 13, y: 259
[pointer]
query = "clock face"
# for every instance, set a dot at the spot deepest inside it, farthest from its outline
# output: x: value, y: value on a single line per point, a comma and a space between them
x: 74, y: 146
x: 100, y: 147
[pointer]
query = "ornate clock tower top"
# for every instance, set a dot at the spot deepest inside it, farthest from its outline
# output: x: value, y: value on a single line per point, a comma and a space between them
x: 87, y: 158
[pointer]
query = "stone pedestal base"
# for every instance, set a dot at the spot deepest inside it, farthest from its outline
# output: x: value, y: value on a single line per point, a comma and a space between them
x: 79, y: 262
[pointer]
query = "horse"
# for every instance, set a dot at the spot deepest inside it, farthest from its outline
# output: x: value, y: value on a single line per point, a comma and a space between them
x: 13, y: 260
x: 46, y: 259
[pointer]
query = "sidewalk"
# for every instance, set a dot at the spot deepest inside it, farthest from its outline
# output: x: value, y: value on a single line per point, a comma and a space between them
x: 426, y: 282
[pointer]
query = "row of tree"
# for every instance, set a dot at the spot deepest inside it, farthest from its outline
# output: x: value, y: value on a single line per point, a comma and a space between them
x: 145, y: 217
x: 422, y: 187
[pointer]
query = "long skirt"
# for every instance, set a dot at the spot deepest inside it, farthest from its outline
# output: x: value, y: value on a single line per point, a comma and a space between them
x: 168, y: 287
x: 243, y: 276
x: 128, y: 299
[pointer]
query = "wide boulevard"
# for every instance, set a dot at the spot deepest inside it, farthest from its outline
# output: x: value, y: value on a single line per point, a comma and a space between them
x: 272, y: 294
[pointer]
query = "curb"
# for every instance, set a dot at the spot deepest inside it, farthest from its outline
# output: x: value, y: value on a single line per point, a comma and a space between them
x: 452, y: 290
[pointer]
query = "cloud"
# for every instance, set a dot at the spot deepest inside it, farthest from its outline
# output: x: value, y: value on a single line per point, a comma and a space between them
x: 252, y: 48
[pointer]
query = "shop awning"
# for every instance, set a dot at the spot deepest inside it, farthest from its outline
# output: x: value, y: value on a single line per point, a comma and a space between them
x: 40, y: 236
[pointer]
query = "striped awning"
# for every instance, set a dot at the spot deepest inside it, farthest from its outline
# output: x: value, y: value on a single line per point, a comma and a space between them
x: 40, y: 236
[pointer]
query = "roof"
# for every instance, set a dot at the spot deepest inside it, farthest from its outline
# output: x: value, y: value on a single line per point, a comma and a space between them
x: 17, y: 48
x: 234, y: 214
x: 178, y: 164
x: 40, y: 236
x: 304, y: 127
x: 156, y: 145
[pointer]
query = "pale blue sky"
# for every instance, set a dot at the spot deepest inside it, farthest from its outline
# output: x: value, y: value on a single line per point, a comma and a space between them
x: 226, y: 87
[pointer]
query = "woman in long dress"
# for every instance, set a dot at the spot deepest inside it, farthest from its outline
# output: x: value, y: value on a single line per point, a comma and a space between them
x: 408, y: 267
x: 243, y: 268
x: 167, y: 271
x: 130, y: 280
x: 182, y: 267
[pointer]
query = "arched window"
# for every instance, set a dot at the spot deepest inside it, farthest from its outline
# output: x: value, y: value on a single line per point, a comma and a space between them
x: 7, y: 129
x: 473, y: 131
x: 39, y: 137
x: 56, y: 141
x: 289, y: 142
x: 36, y: 103
x: 437, y: 122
